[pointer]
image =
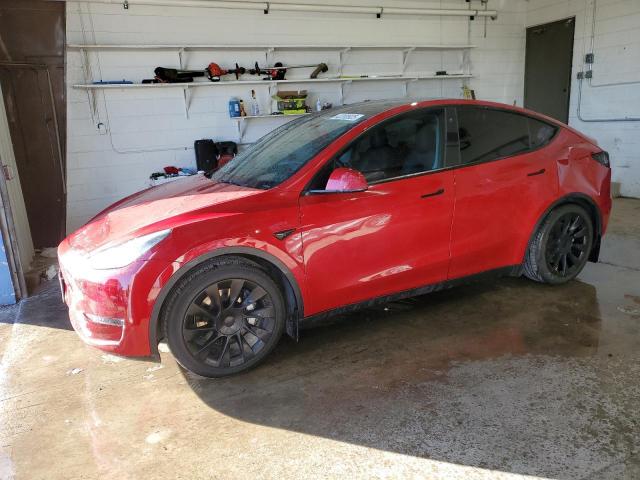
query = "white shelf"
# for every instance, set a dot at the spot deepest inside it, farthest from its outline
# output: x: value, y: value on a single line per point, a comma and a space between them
x: 402, y: 78
x: 265, y: 48
x: 268, y: 51
x: 253, y: 117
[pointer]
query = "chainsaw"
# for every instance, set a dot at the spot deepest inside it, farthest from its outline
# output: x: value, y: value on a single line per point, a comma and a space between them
x: 213, y: 72
x: 278, y: 71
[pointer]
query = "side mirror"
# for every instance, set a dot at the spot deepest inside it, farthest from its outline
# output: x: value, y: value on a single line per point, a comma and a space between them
x: 345, y: 180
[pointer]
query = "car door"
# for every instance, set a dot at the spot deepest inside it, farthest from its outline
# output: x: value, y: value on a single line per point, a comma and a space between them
x: 504, y: 181
x: 393, y: 236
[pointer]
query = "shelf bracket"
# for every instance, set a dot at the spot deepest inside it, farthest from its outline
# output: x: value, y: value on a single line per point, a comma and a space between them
x: 405, y: 58
x: 343, y: 52
x: 187, y: 94
x: 181, y: 58
x: 273, y: 89
x: 342, y: 85
x: 242, y: 127
x: 406, y: 85
x: 466, y: 61
x: 91, y: 94
x: 268, y: 56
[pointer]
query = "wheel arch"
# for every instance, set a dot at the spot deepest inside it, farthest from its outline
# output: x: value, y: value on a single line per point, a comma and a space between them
x: 592, y: 209
x: 275, y: 267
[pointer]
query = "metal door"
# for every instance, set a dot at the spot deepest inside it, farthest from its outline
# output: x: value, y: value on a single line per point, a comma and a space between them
x: 547, y: 77
x: 32, y: 36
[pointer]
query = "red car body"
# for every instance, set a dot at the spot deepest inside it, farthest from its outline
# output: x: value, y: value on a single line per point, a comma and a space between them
x: 332, y: 251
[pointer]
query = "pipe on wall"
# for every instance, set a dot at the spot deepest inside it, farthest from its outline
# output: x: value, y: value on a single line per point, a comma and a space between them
x: 267, y: 7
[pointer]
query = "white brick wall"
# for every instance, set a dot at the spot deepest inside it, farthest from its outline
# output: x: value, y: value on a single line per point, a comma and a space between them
x: 617, y: 60
x: 147, y: 129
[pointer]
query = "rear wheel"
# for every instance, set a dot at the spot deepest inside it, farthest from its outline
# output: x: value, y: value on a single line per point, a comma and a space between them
x: 224, y: 318
x: 560, y: 248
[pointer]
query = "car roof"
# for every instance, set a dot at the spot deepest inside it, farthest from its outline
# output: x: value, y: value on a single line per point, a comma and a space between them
x: 371, y: 108
x: 381, y: 108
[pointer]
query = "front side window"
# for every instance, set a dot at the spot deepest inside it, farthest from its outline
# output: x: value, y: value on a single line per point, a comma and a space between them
x: 404, y: 145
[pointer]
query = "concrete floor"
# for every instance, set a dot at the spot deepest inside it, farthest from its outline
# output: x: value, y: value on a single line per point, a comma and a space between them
x: 501, y: 380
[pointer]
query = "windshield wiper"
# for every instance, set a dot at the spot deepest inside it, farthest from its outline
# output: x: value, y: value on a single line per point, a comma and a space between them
x: 226, y: 180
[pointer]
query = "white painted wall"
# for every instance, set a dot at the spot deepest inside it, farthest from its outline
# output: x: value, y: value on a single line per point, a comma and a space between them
x: 616, y: 46
x: 147, y: 129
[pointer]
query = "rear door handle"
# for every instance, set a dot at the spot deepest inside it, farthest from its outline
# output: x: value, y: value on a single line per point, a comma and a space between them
x: 538, y: 172
x: 433, y: 194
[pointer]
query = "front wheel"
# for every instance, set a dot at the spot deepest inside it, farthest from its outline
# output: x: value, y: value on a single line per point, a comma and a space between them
x: 223, y: 318
x: 560, y: 248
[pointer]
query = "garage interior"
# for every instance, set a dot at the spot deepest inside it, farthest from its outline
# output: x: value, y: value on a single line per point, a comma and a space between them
x: 504, y: 379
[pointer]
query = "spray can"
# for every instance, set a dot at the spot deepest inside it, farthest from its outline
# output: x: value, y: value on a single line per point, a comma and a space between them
x: 234, y: 107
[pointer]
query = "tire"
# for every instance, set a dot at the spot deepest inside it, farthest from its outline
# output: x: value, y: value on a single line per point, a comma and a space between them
x: 560, y: 248
x: 219, y: 334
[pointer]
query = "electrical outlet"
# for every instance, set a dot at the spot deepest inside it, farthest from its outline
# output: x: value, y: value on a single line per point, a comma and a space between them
x: 580, y: 75
x: 588, y: 74
x: 588, y: 58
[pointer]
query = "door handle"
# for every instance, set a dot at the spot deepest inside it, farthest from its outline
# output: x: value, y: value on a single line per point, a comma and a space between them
x: 433, y: 194
x: 538, y: 172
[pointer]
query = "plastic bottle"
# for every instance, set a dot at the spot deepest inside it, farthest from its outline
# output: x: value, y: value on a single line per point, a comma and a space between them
x: 243, y: 112
x: 255, y: 108
x: 318, y: 105
x: 234, y: 107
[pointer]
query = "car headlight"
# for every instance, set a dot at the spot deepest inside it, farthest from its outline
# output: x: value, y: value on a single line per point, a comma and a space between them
x: 119, y: 256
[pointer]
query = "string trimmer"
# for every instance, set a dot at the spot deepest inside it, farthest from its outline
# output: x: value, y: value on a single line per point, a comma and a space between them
x: 213, y: 72
x: 278, y: 71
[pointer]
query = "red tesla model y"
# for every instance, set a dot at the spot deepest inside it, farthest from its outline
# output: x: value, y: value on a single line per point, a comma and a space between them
x: 340, y: 209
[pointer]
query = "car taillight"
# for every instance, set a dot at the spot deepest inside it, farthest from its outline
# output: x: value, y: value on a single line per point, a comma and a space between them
x: 602, y: 158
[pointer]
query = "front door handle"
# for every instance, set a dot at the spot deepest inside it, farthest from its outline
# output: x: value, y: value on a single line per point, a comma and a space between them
x: 433, y: 194
x: 537, y: 172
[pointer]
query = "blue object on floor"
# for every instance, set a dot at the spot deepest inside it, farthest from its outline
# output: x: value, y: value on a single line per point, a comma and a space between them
x: 7, y: 292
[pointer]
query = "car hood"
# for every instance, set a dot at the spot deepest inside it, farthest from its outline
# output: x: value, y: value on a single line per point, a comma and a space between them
x: 140, y: 212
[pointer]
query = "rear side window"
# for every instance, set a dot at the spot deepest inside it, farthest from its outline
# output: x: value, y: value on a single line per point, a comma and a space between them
x: 541, y: 133
x: 487, y: 134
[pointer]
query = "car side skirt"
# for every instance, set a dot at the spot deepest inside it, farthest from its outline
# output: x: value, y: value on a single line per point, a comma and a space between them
x: 325, y: 317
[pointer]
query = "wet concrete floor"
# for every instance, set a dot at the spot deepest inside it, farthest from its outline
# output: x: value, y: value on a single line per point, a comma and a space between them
x: 509, y: 379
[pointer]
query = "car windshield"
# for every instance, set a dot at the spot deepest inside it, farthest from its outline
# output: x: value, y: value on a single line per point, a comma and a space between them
x: 279, y: 154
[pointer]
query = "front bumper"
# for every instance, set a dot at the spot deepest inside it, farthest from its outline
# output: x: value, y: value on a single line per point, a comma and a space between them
x: 110, y: 309
x: 105, y: 330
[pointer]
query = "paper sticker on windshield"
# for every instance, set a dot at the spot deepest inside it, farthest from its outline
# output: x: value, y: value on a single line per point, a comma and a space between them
x: 349, y: 117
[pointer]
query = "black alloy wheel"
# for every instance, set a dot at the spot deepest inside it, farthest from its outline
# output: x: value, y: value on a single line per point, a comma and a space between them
x: 567, y: 244
x: 561, y: 246
x: 223, y: 317
x: 229, y: 322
